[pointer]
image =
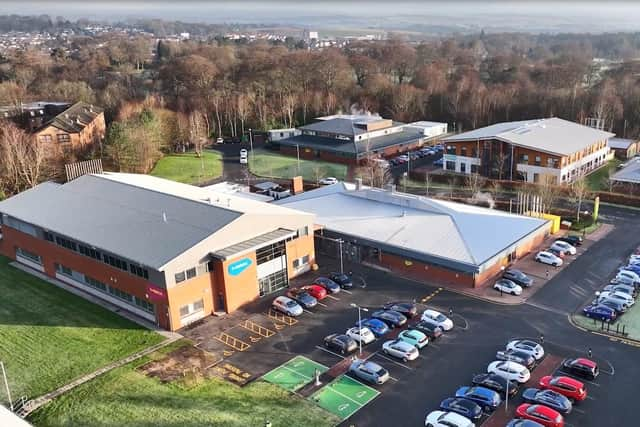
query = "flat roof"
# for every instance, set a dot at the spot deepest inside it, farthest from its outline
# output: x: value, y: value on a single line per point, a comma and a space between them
x: 553, y: 135
x: 620, y: 143
x: 630, y: 173
x: 351, y: 147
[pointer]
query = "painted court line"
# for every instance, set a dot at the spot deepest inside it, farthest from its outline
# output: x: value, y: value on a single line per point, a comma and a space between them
x: 296, y: 372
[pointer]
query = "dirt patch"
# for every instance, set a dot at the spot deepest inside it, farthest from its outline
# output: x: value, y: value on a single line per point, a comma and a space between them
x: 180, y: 363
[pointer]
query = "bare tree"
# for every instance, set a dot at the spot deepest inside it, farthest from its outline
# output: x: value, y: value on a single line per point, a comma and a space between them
x: 197, y: 131
x: 23, y: 161
x: 579, y: 190
x: 475, y: 183
x: 548, y: 191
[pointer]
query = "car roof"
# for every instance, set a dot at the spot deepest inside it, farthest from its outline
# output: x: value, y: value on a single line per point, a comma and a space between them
x: 456, y: 418
x: 542, y: 409
x: 567, y: 380
x: 586, y: 362
x: 283, y: 299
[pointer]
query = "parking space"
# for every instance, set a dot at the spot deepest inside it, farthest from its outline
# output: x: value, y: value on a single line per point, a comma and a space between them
x: 295, y: 374
x: 344, y: 396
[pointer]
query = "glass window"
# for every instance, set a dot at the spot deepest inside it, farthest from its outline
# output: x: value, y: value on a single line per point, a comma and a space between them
x: 180, y: 277
x: 29, y: 255
x: 450, y: 166
x: 191, y: 273
x: 63, y: 137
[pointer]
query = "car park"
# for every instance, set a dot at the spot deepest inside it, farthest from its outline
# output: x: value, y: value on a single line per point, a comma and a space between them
x: 447, y: 419
x: 573, y: 240
x: 331, y: 286
x: 557, y: 252
x: 510, y: 370
x: 465, y: 407
x: 600, y: 312
x: 527, y: 346
x: 548, y: 258
x: 488, y: 399
x: 507, y: 286
x: 390, y: 317
x: 378, y: 327
x: 362, y: 335
x: 439, y: 162
x: 341, y: 279
x: 524, y: 359
x: 561, y: 245
x: 414, y: 337
x: 328, y: 181
x: 625, y: 289
x: 316, y: 291
x: 287, y: 306
x: 496, y: 383
x: 408, y: 309
x: 441, y: 320
x: 541, y: 414
x: 340, y: 343
x: 302, y: 297
x: 550, y: 398
x: 400, y: 349
x: 430, y: 329
x: 581, y: 367
x: 369, y: 371
x: 517, y: 277
x: 519, y: 422
x: 628, y: 276
x: 566, y: 386
x: 619, y: 296
x: 619, y: 307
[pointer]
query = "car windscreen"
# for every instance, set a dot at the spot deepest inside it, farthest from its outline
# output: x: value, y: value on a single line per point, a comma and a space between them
x: 291, y: 304
x: 440, y: 318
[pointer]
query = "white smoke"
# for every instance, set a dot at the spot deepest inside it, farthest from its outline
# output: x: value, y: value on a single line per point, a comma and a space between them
x: 481, y: 197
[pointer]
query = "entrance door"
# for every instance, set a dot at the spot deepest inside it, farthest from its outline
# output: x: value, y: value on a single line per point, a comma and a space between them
x: 272, y: 268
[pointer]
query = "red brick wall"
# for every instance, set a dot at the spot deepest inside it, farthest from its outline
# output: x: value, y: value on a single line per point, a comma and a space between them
x: 425, y: 272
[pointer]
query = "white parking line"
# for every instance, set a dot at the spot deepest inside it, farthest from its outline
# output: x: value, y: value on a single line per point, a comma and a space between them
x: 348, y: 292
x: 332, y: 297
x: 580, y: 411
x: 307, y: 311
x: 393, y: 378
x: 330, y: 352
x: 393, y: 361
x: 324, y: 305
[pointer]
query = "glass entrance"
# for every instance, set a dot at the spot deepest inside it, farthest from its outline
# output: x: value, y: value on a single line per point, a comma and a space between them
x: 273, y: 282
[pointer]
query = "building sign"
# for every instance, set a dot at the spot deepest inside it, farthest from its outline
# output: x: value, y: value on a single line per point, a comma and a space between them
x: 236, y: 268
x: 154, y: 293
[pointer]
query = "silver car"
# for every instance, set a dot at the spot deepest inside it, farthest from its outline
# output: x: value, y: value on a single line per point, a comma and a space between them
x: 527, y: 346
x: 369, y: 372
x: 400, y: 349
x: 287, y: 306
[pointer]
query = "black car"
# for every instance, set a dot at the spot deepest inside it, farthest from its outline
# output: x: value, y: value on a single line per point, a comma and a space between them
x: 341, y: 279
x: 550, y: 398
x: 496, y: 383
x: 518, y: 277
x: 340, y: 343
x: 331, y: 286
x: 430, y: 329
x: 462, y: 406
x: 581, y: 367
x: 572, y: 240
x: 390, y: 317
x: 521, y: 357
x: 409, y: 309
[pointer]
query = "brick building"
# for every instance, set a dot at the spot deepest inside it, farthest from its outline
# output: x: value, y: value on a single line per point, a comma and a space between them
x: 168, y: 252
x: 527, y: 150
x: 624, y: 148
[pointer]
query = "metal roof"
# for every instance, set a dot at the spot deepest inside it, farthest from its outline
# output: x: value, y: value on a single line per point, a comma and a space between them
x: 253, y: 244
x: 630, y: 173
x: 620, y: 143
x: 350, y: 147
x: 553, y: 135
x: 338, y: 126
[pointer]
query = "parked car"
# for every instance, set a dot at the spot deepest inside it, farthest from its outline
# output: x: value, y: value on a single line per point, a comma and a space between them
x: 404, y: 158
x: 393, y: 162
x: 573, y: 240
x: 369, y: 371
x: 625, y: 289
x: 600, y: 312
x: 518, y: 277
x: 408, y: 309
x: 413, y: 337
x: 628, y: 277
x: 524, y: 359
x: 465, y: 407
x: 316, y: 291
x: 219, y: 140
x: 362, y: 334
x: 486, y: 398
x: 561, y: 245
x: 302, y: 297
x: 443, y: 321
x: 378, y: 327
x: 507, y: 286
x: 519, y: 422
x: 566, y: 386
x: 340, y: 343
x: 341, y: 279
x: 447, y: 419
x: 244, y: 152
x: 620, y: 296
x: 331, y: 286
x: 496, y: 383
x: 439, y: 162
x: 619, y: 307
x: 430, y: 329
x: 510, y: 370
x: 632, y: 271
x: 527, y: 346
x: 390, y: 317
x: 581, y: 367
x: 548, y: 258
x: 287, y: 306
x: 400, y: 349
x: 328, y: 181
x: 540, y: 414
x: 550, y: 398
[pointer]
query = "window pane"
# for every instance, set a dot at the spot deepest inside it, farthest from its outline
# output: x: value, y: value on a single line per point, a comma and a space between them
x: 180, y: 277
x: 191, y: 273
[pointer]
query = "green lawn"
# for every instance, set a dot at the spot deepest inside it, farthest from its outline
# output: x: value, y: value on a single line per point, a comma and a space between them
x: 188, y: 168
x: 273, y: 165
x: 49, y: 337
x: 124, y: 397
x: 598, y: 180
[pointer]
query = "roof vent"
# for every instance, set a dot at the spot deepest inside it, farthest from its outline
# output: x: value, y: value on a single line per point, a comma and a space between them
x: 164, y: 216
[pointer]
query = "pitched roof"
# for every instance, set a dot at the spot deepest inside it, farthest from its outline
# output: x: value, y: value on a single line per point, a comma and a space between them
x: 620, y: 143
x: 339, y: 126
x: 75, y: 118
x: 553, y: 135
x: 630, y: 173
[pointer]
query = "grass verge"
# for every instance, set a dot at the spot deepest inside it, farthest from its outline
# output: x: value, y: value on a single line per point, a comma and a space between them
x: 273, y: 165
x: 188, y: 168
x: 599, y: 179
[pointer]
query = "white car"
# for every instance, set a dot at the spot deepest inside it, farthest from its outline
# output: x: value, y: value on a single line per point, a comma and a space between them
x: 507, y: 286
x: 548, y: 258
x: 363, y: 335
x: 435, y: 316
x: 616, y: 296
x: 404, y: 158
x: 510, y: 370
x: 527, y: 346
x: 400, y: 349
x: 634, y: 259
x: 244, y: 158
x: 287, y: 306
x: 219, y: 140
x: 628, y: 276
x: 447, y: 419
x: 563, y: 247
x: 328, y: 181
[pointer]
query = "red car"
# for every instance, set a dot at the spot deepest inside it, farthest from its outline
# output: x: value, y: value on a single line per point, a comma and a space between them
x: 540, y: 414
x: 316, y: 291
x: 573, y: 389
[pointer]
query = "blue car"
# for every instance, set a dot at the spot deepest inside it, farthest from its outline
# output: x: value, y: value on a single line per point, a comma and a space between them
x: 438, y: 162
x: 464, y: 407
x: 548, y: 398
x: 600, y: 312
x: 378, y: 327
x: 631, y: 267
x: 489, y: 400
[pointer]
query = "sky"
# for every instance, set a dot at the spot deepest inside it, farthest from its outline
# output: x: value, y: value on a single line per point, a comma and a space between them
x: 557, y: 16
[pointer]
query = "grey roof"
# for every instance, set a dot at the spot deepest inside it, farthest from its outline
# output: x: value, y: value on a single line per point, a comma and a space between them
x: 452, y: 234
x: 552, y: 135
x: 630, y: 173
x: 620, y: 143
x: 123, y: 219
x: 74, y: 118
x: 338, y: 126
x: 252, y: 244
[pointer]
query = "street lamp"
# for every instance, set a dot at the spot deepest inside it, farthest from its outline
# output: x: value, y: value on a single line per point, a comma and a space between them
x: 251, y: 142
x: 354, y: 305
x: 6, y: 385
x: 340, y: 241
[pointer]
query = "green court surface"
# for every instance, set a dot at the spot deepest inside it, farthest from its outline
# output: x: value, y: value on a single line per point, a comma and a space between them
x: 344, y: 396
x: 294, y: 374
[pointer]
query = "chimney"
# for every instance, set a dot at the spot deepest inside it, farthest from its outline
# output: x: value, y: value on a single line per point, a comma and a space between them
x: 358, y: 183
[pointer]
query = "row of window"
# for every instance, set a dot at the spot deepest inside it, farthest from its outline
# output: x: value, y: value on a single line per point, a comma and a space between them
x: 192, y: 272
x: 297, y: 263
x: 270, y: 252
x: 61, y: 137
x: 29, y: 255
x: 191, y: 308
x: 551, y: 162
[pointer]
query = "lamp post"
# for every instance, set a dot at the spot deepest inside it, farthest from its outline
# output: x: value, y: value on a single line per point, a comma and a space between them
x: 341, y: 263
x: 354, y: 305
x: 6, y: 385
x: 298, y: 156
x: 251, y: 142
